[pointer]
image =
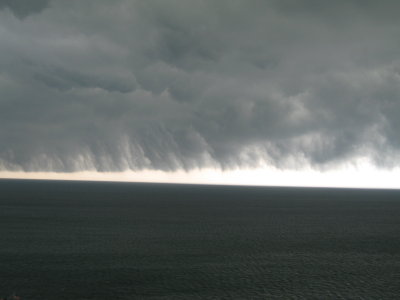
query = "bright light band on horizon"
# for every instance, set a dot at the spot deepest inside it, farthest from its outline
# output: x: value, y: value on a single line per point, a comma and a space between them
x: 361, y: 176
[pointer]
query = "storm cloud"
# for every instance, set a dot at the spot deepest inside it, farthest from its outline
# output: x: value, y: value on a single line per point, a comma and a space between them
x: 182, y: 84
x: 23, y: 8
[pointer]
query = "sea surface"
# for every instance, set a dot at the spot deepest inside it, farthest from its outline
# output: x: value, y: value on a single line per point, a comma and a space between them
x: 93, y: 240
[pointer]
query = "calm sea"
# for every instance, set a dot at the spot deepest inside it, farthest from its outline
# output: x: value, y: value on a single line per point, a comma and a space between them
x: 81, y: 240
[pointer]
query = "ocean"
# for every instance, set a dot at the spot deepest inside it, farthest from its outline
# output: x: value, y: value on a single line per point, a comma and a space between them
x: 97, y: 240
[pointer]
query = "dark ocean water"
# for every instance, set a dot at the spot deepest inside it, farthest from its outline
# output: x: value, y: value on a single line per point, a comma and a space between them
x: 80, y: 240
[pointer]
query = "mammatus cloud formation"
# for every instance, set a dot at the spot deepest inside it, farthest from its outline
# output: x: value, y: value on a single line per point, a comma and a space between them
x: 183, y: 84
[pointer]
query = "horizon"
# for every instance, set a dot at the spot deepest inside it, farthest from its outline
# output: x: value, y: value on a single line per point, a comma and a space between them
x: 366, y: 178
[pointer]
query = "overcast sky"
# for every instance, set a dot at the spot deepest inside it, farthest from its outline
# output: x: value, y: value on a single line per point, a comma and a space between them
x: 182, y: 84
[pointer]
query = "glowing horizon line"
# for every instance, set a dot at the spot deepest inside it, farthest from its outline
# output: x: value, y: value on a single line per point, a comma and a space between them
x: 365, y: 176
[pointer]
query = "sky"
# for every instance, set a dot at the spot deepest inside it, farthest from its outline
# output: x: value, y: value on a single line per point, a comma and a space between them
x: 269, y: 92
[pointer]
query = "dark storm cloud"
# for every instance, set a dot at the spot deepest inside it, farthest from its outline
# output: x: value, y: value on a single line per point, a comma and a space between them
x: 186, y: 84
x: 64, y: 79
x: 23, y: 8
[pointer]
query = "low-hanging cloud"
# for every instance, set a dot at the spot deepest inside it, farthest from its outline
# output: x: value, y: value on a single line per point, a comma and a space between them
x: 169, y: 84
x: 23, y: 8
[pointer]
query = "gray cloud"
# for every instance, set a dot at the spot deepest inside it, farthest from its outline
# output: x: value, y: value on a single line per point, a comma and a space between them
x: 23, y: 8
x: 187, y: 84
